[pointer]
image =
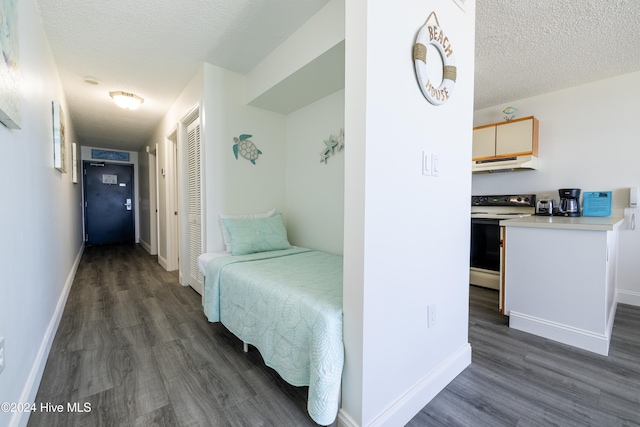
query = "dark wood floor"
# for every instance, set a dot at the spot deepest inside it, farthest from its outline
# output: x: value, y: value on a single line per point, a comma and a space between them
x: 518, y: 379
x: 136, y: 347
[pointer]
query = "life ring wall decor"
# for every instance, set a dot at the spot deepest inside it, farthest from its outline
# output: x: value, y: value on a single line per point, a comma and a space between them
x: 431, y: 34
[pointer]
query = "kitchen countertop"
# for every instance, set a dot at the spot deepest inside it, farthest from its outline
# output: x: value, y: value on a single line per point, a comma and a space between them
x: 594, y: 223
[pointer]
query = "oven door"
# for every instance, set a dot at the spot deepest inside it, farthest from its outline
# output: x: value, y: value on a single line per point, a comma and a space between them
x: 485, y: 253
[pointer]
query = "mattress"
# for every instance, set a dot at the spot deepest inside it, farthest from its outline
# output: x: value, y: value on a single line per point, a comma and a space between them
x: 204, y: 259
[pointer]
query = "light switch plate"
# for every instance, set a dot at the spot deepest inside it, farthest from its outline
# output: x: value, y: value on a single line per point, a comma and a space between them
x: 426, y: 163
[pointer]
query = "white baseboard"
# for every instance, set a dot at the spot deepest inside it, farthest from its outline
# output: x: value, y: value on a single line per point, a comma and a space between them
x: 409, y: 404
x: 586, y: 340
x: 629, y: 297
x: 344, y: 420
x: 145, y: 245
x: 163, y: 262
x: 30, y: 389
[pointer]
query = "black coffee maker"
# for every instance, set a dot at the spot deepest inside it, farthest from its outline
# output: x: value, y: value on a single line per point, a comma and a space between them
x: 569, y: 202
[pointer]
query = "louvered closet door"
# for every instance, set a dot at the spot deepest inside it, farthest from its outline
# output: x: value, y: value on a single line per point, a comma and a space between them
x: 196, y: 279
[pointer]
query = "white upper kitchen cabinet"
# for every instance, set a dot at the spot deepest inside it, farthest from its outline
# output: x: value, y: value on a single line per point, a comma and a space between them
x: 516, y: 137
x: 484, y: 142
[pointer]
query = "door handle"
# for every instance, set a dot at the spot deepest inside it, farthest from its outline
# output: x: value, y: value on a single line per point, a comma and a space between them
x: 128, y: 204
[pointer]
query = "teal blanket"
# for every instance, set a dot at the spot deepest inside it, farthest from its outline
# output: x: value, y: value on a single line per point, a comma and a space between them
x: 288, y: 304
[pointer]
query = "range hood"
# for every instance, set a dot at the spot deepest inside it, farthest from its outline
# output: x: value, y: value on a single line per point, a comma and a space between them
x: 505, y: 164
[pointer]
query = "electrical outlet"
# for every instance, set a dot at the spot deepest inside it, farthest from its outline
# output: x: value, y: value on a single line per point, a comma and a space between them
x: 1, y: 354
x: 431, y: 316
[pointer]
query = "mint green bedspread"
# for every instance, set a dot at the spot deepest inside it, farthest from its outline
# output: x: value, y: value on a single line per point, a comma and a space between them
x: 288, y: 304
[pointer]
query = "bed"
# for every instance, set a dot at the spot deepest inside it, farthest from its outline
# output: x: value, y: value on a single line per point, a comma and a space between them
x: 287, y: 302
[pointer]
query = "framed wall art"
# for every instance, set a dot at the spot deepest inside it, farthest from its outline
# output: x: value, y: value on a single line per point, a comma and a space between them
x: 10, y: 81
x: 74, y: 163
x: 59, y: 147
x: 120, y: 156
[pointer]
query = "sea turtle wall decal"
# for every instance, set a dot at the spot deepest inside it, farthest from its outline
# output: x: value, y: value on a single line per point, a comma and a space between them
x: 246, y: 148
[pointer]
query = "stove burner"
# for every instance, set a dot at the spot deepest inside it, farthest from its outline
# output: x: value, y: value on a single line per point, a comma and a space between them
x: 518, y: 200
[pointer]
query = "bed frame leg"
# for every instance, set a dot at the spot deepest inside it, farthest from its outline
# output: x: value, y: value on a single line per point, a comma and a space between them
x: 245, y: 347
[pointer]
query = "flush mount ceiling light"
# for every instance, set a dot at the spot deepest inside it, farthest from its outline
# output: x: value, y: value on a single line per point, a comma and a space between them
x: 91, y: 80
x: 126, y: 100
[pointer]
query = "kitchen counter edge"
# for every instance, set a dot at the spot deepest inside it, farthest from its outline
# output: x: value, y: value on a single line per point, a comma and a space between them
x: 593, y: 223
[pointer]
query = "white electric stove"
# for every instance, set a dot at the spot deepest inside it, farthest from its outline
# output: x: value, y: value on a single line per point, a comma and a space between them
x: 486, y: 234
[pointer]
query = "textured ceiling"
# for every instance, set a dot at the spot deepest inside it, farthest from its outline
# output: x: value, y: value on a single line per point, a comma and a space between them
x: 530, y: 47
x: 154, y: 47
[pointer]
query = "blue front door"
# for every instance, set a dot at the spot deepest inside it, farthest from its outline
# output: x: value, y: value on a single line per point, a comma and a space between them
x: 108, y: 191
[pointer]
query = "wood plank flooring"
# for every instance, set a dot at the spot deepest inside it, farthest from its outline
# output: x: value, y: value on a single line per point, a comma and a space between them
x: 135, y: 345
x: 518, y: 379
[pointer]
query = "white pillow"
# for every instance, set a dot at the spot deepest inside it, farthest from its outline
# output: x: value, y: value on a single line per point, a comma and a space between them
x: 225, y: 233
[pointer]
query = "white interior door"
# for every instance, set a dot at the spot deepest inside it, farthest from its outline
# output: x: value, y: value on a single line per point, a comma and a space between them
x: 196, y: 279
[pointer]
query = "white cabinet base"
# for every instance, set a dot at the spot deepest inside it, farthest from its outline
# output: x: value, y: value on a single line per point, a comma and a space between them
x: 586, y: 340
x: 560, y: 283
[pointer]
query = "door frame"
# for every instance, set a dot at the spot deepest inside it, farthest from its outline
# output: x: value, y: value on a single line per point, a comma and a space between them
x: 172, y: 261
x: 175, y: 191
x: 134, y: 197
x: 153, y: 199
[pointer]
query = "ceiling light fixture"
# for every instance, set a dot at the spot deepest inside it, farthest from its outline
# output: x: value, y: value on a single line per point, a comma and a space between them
x: 91, y: 80
x: 126, y: 100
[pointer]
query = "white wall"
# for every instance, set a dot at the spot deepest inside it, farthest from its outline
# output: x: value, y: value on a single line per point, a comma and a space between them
x: 230, y: 185
x: 40, y: 223
x: 190, y: 98
x: 320, y: 33
x: 588, y: 140
x: 406, y: 235
x: 236, y: 186
x: 315, y: 190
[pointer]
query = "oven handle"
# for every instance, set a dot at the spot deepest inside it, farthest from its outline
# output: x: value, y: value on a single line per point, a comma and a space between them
x: 485, y: 221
